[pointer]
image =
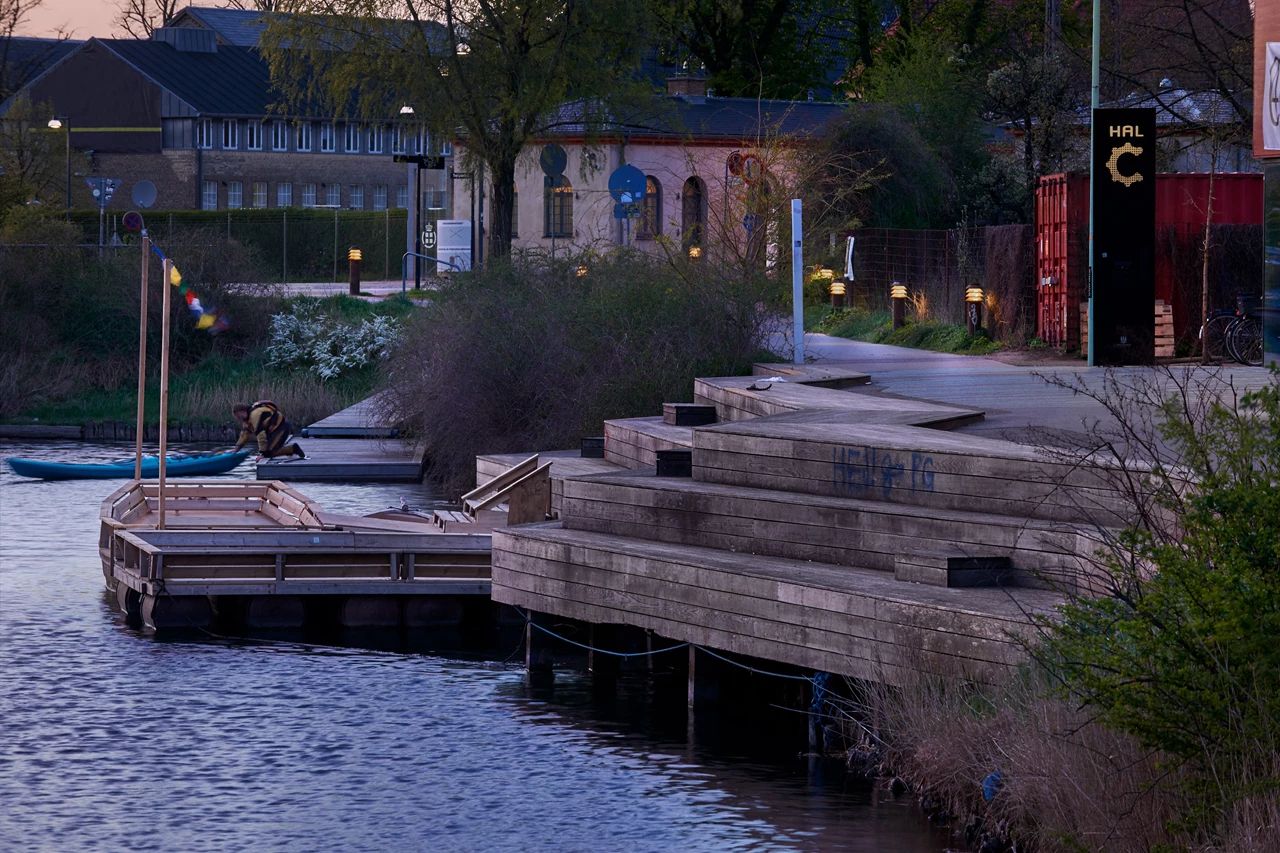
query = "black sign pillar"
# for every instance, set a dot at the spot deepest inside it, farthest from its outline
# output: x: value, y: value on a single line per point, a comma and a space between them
x: 1123, y: 288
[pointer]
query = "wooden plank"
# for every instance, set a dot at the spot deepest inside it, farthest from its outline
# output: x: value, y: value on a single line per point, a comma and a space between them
x: 506, y: 478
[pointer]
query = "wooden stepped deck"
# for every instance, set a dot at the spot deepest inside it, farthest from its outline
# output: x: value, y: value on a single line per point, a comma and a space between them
x: 857, y: 622
x: 820, y: 453
x: 565, y: 464
x: 635, y: 442
x: 349, y: 459
x: 853, y: 532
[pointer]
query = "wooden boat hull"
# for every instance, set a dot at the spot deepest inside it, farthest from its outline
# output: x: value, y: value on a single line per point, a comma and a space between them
x: 178, y: 465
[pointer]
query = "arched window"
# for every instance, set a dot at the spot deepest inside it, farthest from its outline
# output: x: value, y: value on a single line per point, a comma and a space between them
x: 650, y: 210
x: 693, y: 212
x: 557, y: 207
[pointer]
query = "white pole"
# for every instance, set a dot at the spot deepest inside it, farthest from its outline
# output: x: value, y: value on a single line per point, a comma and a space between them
x: 797, y: 281
x: 1094, y: 101
x: 164, y: 384
x: 142, y: 358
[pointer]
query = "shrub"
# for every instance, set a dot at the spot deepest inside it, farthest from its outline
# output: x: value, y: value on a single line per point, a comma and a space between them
x: 531, y: 356
x: 309, y: 338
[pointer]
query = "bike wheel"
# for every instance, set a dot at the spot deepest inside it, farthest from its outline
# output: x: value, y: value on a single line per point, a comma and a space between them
x: 1213, y: 336
x: 1245, y: 341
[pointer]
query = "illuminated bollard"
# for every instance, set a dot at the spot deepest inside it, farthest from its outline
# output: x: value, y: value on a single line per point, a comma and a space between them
x: 354, y: 256
x: 837, y: 294
x: 898, y: 299
x: 973, y: 299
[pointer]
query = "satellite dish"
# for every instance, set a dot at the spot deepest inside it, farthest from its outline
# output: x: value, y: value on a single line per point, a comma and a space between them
x: 144, y: 194
x: 132, y: 221
x: 553, y: 160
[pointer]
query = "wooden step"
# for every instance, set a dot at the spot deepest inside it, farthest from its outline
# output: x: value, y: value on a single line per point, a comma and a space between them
x: 952, y: 568
x: 843, y: 620
x: 906, y: 465
x: 832, y: 530
x: 674, y: 463
x: 635, y: 442
x: 688, y: 414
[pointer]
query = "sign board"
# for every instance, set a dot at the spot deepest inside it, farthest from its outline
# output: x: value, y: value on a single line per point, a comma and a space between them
x: 553, y: 159
x: 1124, y: 236
x: 429, y: 236
x: 453, y: 245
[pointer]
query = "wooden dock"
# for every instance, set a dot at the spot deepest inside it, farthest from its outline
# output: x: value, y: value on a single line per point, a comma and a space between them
x: 362, y: 420
x: 385, y: 460
x: 825, y: 526
x: 270, y: 550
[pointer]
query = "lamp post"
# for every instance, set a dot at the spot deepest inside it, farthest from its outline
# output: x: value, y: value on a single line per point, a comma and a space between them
x: 56, y: 123
x: 407, y: 110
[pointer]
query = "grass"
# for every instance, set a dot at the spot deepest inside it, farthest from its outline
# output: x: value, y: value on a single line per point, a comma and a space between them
x: 877, y: 327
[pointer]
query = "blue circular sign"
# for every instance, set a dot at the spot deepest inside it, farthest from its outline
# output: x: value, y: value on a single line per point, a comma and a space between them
x: 626, y: 184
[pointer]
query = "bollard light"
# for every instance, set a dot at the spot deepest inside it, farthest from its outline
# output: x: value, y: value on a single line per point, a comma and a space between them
x: 695, y: 252
x: 973, y: 299
x: 898, y: 296
x: 837, y: 293
x: 354, y: 256
x: 581, y: 271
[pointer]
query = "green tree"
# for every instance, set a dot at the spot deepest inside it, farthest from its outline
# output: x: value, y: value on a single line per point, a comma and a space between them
x: 32, y: 157
x: 1180, y: 649
x: 500, y: 73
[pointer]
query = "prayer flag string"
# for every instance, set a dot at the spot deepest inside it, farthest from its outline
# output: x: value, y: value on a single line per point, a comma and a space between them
x: 206, y: 318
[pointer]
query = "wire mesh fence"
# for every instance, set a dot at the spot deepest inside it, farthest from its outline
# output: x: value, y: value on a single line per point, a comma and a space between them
x: 285, y: 245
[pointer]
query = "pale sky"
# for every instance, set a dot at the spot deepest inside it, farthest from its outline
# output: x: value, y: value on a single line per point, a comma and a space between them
x: 80, y: 19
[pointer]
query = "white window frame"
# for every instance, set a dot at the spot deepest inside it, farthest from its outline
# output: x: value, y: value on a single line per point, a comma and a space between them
x: 308, y: 195
x: 235, y: 195
x: 380, y: 197
x: 333, y: 195
x: 354, y: 131
x: 253, y: 135
x: 446, y: 148
x: 355, y: 197
x: 230, y: 134
x: 284, y: 195
x: 209, y: 196
x: 204, y: 133
x: 279, y: 135
x: 328, y: 137
x: 402, y: 197
x: 302, y: 136
x: 376, y: 132
x: 259, y: 194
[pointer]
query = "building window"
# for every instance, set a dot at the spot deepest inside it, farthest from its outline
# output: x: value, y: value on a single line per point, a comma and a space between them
x: 259, y: 193
x: 352, y: 139
x: 284, y: 195
x: 402, y: 196
x: 420, y: 140
x: 693, y: 213
x: 204, y: 133
x: 375, y: 138
x: 235, y: 195
x: 398, y: 134
x: 302, y: 139
x: 355, y: 197
x: 279, y: 136
x: 333, y: 195
x: 209, y: 196
x: 446, y: 148
x: 253, y: 135
x: 327, y: 136
x: 308, y: 195
x: 650, y: 210
x: 557, y: 207
x: 230, y: 134
x: 380, y: 197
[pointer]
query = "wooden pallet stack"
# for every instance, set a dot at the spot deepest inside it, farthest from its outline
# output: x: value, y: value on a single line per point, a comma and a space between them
x: 1164, y: 329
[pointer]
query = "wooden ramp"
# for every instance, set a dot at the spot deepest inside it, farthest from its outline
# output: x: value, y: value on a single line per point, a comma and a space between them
x: 362, y: 420
x: 349, y: 459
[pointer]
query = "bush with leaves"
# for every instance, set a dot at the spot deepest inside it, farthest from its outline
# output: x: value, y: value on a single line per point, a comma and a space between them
x: 307, y: 337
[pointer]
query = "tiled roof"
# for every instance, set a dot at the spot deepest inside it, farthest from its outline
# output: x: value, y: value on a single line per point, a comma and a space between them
x: 239, y: 27
x: 28, y: 58
x: 1176, y: 107
x: 230, y: 81
x: 711, y: 118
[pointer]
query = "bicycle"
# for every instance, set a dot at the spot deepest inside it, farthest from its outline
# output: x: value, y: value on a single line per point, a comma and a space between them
x: 1233, y: 334
x: 1213, y: 334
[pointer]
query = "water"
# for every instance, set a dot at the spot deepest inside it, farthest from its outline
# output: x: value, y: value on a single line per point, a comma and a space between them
x: 112, y: 739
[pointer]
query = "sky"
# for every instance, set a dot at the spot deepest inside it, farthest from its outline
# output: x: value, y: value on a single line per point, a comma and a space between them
x: 80, y: 19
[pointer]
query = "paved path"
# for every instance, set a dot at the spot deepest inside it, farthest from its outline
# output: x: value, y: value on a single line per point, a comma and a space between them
x: 1015, y: 396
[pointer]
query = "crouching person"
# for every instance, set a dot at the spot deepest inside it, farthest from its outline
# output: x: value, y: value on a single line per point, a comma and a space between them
x: 267, y: 423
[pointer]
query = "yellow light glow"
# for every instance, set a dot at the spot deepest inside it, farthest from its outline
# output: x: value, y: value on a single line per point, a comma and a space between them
x: 582, y: 271
x: 974, y: 294
x: 695, y: 252
x: 354, y: 254
x: 898, y: 291
x: 837, y: 288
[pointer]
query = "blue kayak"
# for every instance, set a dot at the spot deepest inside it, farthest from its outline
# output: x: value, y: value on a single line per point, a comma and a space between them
x: 178, y: 465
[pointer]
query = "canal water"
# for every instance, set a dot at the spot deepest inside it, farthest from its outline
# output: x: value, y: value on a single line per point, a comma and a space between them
x: 111, y: 739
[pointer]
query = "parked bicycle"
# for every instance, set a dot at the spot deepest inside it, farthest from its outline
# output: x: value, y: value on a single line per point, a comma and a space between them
x: 1233, y: 334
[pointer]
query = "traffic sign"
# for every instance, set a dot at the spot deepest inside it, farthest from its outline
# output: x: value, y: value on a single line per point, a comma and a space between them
x: 627, y: 184
x: 553, y: 160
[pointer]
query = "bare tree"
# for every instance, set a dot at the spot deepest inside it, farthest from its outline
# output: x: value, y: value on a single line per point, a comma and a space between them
x: 138, y: 18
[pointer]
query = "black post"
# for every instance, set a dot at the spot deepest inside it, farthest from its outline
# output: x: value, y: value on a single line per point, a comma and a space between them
x: 417, y: 237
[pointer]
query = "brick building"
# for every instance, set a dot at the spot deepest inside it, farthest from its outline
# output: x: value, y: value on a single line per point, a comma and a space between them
x: 191, y: 109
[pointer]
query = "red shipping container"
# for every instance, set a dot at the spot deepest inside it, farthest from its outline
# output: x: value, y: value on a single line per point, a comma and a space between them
x: 1062, y: 241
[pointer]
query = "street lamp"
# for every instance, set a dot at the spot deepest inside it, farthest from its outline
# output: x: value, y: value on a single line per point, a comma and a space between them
x: 407, y: 110
x: 57, y: 123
